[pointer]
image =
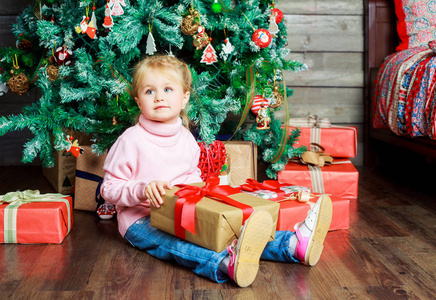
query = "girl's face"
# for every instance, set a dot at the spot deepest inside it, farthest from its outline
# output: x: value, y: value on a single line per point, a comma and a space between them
x: 161, y: 99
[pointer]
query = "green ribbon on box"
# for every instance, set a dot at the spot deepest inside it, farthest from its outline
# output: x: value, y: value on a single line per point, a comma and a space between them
x: 16, y: 199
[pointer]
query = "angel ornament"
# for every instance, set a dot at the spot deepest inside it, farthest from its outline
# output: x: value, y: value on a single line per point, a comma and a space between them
x: 227, y: 50
x: 273, y: 28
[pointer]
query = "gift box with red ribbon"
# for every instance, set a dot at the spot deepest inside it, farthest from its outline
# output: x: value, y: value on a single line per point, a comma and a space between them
x: 295, y: 202
x: 338, y: 141
x: 31, y: 218
x: 339, y: 179
x: 208, y: 214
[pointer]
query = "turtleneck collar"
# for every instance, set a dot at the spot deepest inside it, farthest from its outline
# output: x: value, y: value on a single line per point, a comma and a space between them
x: 160, y: 129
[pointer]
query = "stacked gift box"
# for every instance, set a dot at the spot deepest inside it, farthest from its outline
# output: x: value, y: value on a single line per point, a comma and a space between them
x: 340, y: 178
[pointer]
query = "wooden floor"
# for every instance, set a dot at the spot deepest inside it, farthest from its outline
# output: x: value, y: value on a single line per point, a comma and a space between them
x: 388, y: 253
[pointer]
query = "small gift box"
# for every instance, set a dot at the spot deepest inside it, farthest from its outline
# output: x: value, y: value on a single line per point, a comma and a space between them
x: 339, y: 179
x: 243, y: 161
x: 338, y: 141
x: 62, y: 176
x: 89, y: 176
x: 209, y: 215
x: 31, y: 218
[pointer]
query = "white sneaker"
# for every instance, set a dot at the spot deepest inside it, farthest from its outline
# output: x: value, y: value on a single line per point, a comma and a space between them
x: 312, y: 231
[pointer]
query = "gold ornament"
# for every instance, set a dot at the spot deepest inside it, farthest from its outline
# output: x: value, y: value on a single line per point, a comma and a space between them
x: 189, y: 24
x: 53, y: 72
x: 19, y: 84
x: 278, y: 96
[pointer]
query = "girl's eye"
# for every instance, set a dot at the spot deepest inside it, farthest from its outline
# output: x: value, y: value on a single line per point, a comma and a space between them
x: 149, y: 92
x: 168, y: 89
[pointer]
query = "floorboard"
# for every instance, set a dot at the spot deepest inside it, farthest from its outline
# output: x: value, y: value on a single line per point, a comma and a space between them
x: 389, y: 252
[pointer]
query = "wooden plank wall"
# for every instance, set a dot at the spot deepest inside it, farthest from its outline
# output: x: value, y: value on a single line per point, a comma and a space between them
x: 327, y: 35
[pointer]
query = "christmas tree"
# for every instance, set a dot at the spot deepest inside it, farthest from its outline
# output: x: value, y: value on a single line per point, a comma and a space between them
x: 82, y: 59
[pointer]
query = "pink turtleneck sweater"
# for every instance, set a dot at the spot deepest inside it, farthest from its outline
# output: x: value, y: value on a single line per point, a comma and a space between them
x: 145, y: 152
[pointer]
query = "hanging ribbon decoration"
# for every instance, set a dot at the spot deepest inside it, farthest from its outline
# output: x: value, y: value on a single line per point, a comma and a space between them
x: 251, y: 82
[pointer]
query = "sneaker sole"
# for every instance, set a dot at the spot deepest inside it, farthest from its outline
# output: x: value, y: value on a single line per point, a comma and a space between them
x: 252, y: 242
x: 322, y: 226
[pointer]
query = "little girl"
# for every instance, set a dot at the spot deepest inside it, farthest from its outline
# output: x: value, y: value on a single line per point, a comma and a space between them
x: 158, y: 153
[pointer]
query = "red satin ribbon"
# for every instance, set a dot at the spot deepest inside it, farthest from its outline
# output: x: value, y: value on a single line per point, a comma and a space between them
x: 269, y: 185
x: 189, y: 196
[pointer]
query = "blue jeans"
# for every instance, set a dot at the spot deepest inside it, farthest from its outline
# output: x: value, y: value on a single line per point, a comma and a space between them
x: 201, y: 261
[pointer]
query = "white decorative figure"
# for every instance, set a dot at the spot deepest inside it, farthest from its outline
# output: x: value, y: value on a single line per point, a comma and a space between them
x: 151, y: 46
x: 116, y: 9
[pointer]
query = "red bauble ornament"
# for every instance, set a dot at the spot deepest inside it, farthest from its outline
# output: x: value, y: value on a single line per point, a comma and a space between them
x: 63, y: 56
x: 212, y: 159
x: 257, y: 102
x: 279, y: 15
x: 262, y: 38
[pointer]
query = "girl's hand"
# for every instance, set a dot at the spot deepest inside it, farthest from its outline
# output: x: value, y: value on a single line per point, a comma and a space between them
x: 155, y: 190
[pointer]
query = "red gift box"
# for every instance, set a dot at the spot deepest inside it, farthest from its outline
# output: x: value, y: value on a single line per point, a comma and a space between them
x: 339, y: 179
x: 42, y: 221
x: 338, y: 141
x: 291, y: 212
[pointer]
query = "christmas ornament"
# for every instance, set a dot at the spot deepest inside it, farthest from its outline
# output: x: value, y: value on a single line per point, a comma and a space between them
x: 257, y: 103
x: 74, y: 147
x: 262, y: 38
x: 216, y: 7
x: 191, y: 22
x: 3, y: 88
x: 227, y: 49
x: 212, y: 159
x: 108, y: 21
x: 263, y: 117
x: 273, y: 28
x: 278, y: 98
x: 115, y: 6
x: 18, y: 83
x: 279, y: 15
x: 209, y: 55
x: 106, y: 211
x: 151, y: 46
x: 25, y: 45
x: 52, y: 72
x: 63, y: 56
x: 201, y: 39
x: 92, y: 26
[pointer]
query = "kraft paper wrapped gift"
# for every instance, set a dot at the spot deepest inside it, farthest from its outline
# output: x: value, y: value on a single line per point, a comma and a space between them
x: 62, y: 176
x: 31, y: 218
x: 339, y: 179
x: 243, y: 161
x: 338, y: 141
x: 89, y: 175
x: 216, y: 223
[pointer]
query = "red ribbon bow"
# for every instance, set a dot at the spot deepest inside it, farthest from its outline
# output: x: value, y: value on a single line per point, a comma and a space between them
x: 189, y: 196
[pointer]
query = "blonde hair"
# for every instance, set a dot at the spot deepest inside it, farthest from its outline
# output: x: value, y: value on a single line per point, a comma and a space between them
x: 169, y: 66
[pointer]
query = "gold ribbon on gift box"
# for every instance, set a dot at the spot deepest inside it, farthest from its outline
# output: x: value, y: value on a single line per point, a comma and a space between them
x: 16, y: 199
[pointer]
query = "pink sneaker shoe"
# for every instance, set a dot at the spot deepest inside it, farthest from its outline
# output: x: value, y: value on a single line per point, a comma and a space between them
x: 312, y: 231
x: 245, y: 252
